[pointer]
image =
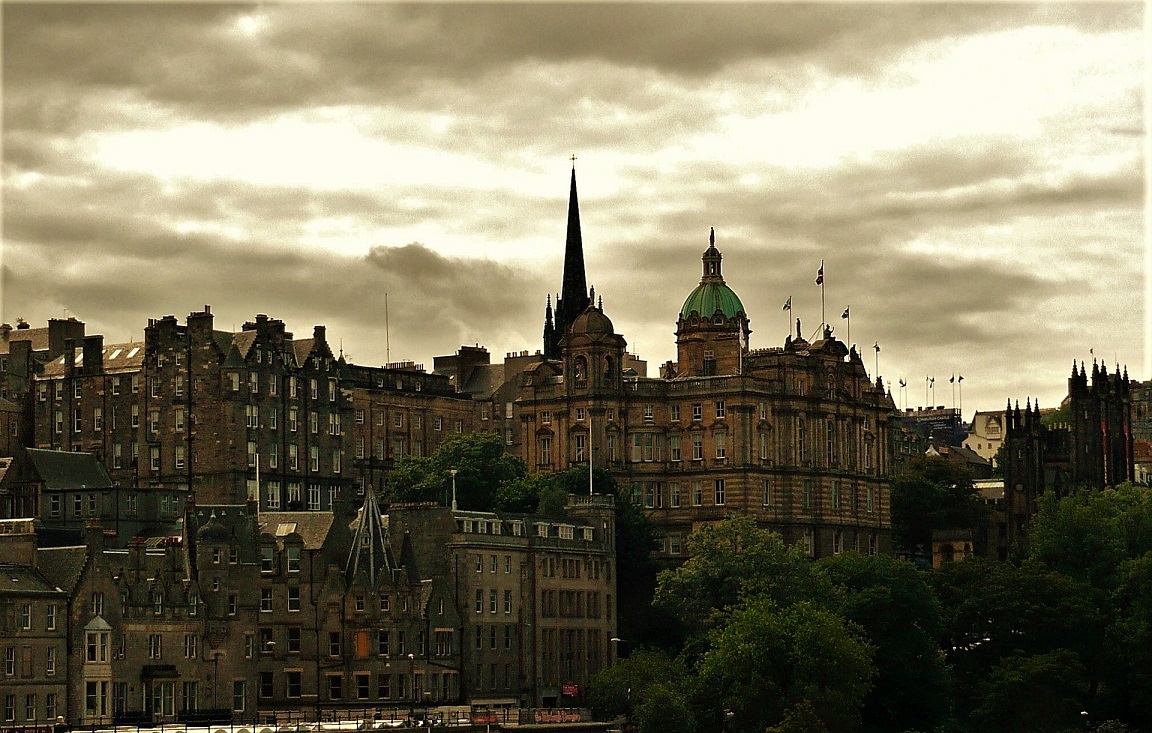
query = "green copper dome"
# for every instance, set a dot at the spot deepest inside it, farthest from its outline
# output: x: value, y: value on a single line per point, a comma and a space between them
x: 708, y: 297
x: 712, y: 293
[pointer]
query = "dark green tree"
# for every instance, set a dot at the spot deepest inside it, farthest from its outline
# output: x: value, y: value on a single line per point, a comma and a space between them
x: 620, y: 690
x: 932, y: 493
x: 1043, y: 693
x: 899, y: 612
x: 733, y: 560
x: 664, y: 709
x: 482, y: 468
x: 767, y: 659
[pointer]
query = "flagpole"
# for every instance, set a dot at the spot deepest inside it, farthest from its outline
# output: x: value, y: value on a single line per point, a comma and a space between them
x: 953, y: 381
x: 788, y: 316
x: 961, y: 381
x: 876, y: 346
x: 590, y: 426
x: 822, y: 321
x: 848, y: 317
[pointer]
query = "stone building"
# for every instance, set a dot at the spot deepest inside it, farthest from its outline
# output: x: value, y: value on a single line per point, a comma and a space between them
x: 797, y: 436
x: 229, y: 417
x: 33, y: 632
x: 1093, y: 449
x: 238, y: 613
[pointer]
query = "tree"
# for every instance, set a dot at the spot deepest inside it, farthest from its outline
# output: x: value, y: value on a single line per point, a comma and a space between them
x: 622, y: 688
x: 997, y: 611
x: 481, y: 466
x: 767, y: 659
x: 899, y: 612
x: 800, y: 718
x: 663, y: 709
x: 732, y: 560
x: 1043, y: 693
x: 932, y: 493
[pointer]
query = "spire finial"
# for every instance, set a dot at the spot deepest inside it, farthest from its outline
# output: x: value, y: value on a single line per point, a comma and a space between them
x: 573, y: 161
x: 712, y: 236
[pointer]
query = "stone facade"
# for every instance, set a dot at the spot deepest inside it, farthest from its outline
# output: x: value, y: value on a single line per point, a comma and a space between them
x: 242, y: 613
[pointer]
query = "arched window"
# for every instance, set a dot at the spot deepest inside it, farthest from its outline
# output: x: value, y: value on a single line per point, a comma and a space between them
x: 609, y: 372
x: 580, y: 369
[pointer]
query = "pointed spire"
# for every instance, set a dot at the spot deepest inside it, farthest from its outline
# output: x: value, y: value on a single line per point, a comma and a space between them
x: 371, y: 552
x: 574, y: 286
x: 573, y: 298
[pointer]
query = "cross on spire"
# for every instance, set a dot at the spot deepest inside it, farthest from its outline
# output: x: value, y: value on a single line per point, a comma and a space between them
x: 573, y: 160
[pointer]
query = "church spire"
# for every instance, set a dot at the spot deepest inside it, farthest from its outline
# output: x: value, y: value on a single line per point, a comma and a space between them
x: 573, y: 299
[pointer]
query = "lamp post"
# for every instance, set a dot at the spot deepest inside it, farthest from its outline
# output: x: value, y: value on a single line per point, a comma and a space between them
x: 628, y: 690
x: 412, y: 684
x: 453, y: 472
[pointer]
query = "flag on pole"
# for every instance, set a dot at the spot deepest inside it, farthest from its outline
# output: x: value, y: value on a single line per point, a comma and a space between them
x: 876, y: 346
x: 961, y: 379
x: 903, y: 383
x: 788, y: 304
x: 845, y: 313
x: 820, y: 274
x: 952, y: 379
x: 932, y: 381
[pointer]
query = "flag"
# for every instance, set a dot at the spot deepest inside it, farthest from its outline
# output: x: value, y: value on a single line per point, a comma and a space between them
x: 788, y: 304
x: 876, y: 346
x: 932, y: 381
x: 845, y: 313
x: 820, y: 274
x: 961, y: 379
x: 952, y: 379
x: 903, y: 383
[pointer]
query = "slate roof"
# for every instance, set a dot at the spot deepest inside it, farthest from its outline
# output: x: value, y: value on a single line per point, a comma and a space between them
x: 312, y: 527
x: 302, y: 349
x: 8, y: 406
x: 38, y: 337
x: 484, y: 380
x: 66, y: 470
x: 126, y: 357
x: 62, y: 566
x: 23, y: 580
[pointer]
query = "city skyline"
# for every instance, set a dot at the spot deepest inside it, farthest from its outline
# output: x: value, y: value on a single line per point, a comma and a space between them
x: 971, y: 176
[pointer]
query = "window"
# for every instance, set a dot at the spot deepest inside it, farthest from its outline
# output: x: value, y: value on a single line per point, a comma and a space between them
x: 382, y: 638
x: 232, y: 603
x: 507, y: 601
x: 806, y: 493
x: 674, y: 448
x: 837, y: 542
x: 97, y: 605
x: 697, y: 493
x: 157, y: 602
x: 491, y: 600
x: 801, y: 441
x: 293, y: 598
x: 362, y: 686
x: 767, y: 497
x: 293, y: 419
x: 155, y: 646
x: 675, y: 413
x: 77, y: 420
x: 293, y: 559
x: 808, y: 543
x: 313, y: 422
x: 191, y: 646
x: 50, y: 662
x: 580, y: 447
x: 265, y: 600
x: 50, y: 617
x: 719, y: 494
x: 869, y: 500
x: 134, y: 420
x: 314, y: 458
x: 154, y: 457
x: 333, y: 643
x: 546, y: 451
x: 721, y: 440
x: 580, y: 414
x: 546, y: 417
x: 697, y: 411
x: 293, y: 639
x: 26, y: 615
x: 697, y: 447
x: 179, y: 385
x: 10, y: 661
x: 649, y: 413
x: 239, y: 695
x: 720, y: 411
x: 835, y: 494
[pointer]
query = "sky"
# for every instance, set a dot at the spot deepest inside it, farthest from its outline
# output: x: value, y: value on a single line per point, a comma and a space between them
x: 973, y: 176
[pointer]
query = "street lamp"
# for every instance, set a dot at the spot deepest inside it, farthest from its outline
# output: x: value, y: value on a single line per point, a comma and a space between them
x: 453, y: 472
x: 412, y: 684
x: 628, y: 690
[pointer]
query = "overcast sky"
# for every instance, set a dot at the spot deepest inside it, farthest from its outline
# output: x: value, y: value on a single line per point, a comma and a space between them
x: 971, y: 175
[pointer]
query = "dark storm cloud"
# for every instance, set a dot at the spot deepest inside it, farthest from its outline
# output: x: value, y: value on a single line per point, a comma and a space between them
x: 191, y: 55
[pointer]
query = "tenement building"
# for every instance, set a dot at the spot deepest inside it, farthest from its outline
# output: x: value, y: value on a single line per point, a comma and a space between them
x: 239, y: 613
x: 228, y: 417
